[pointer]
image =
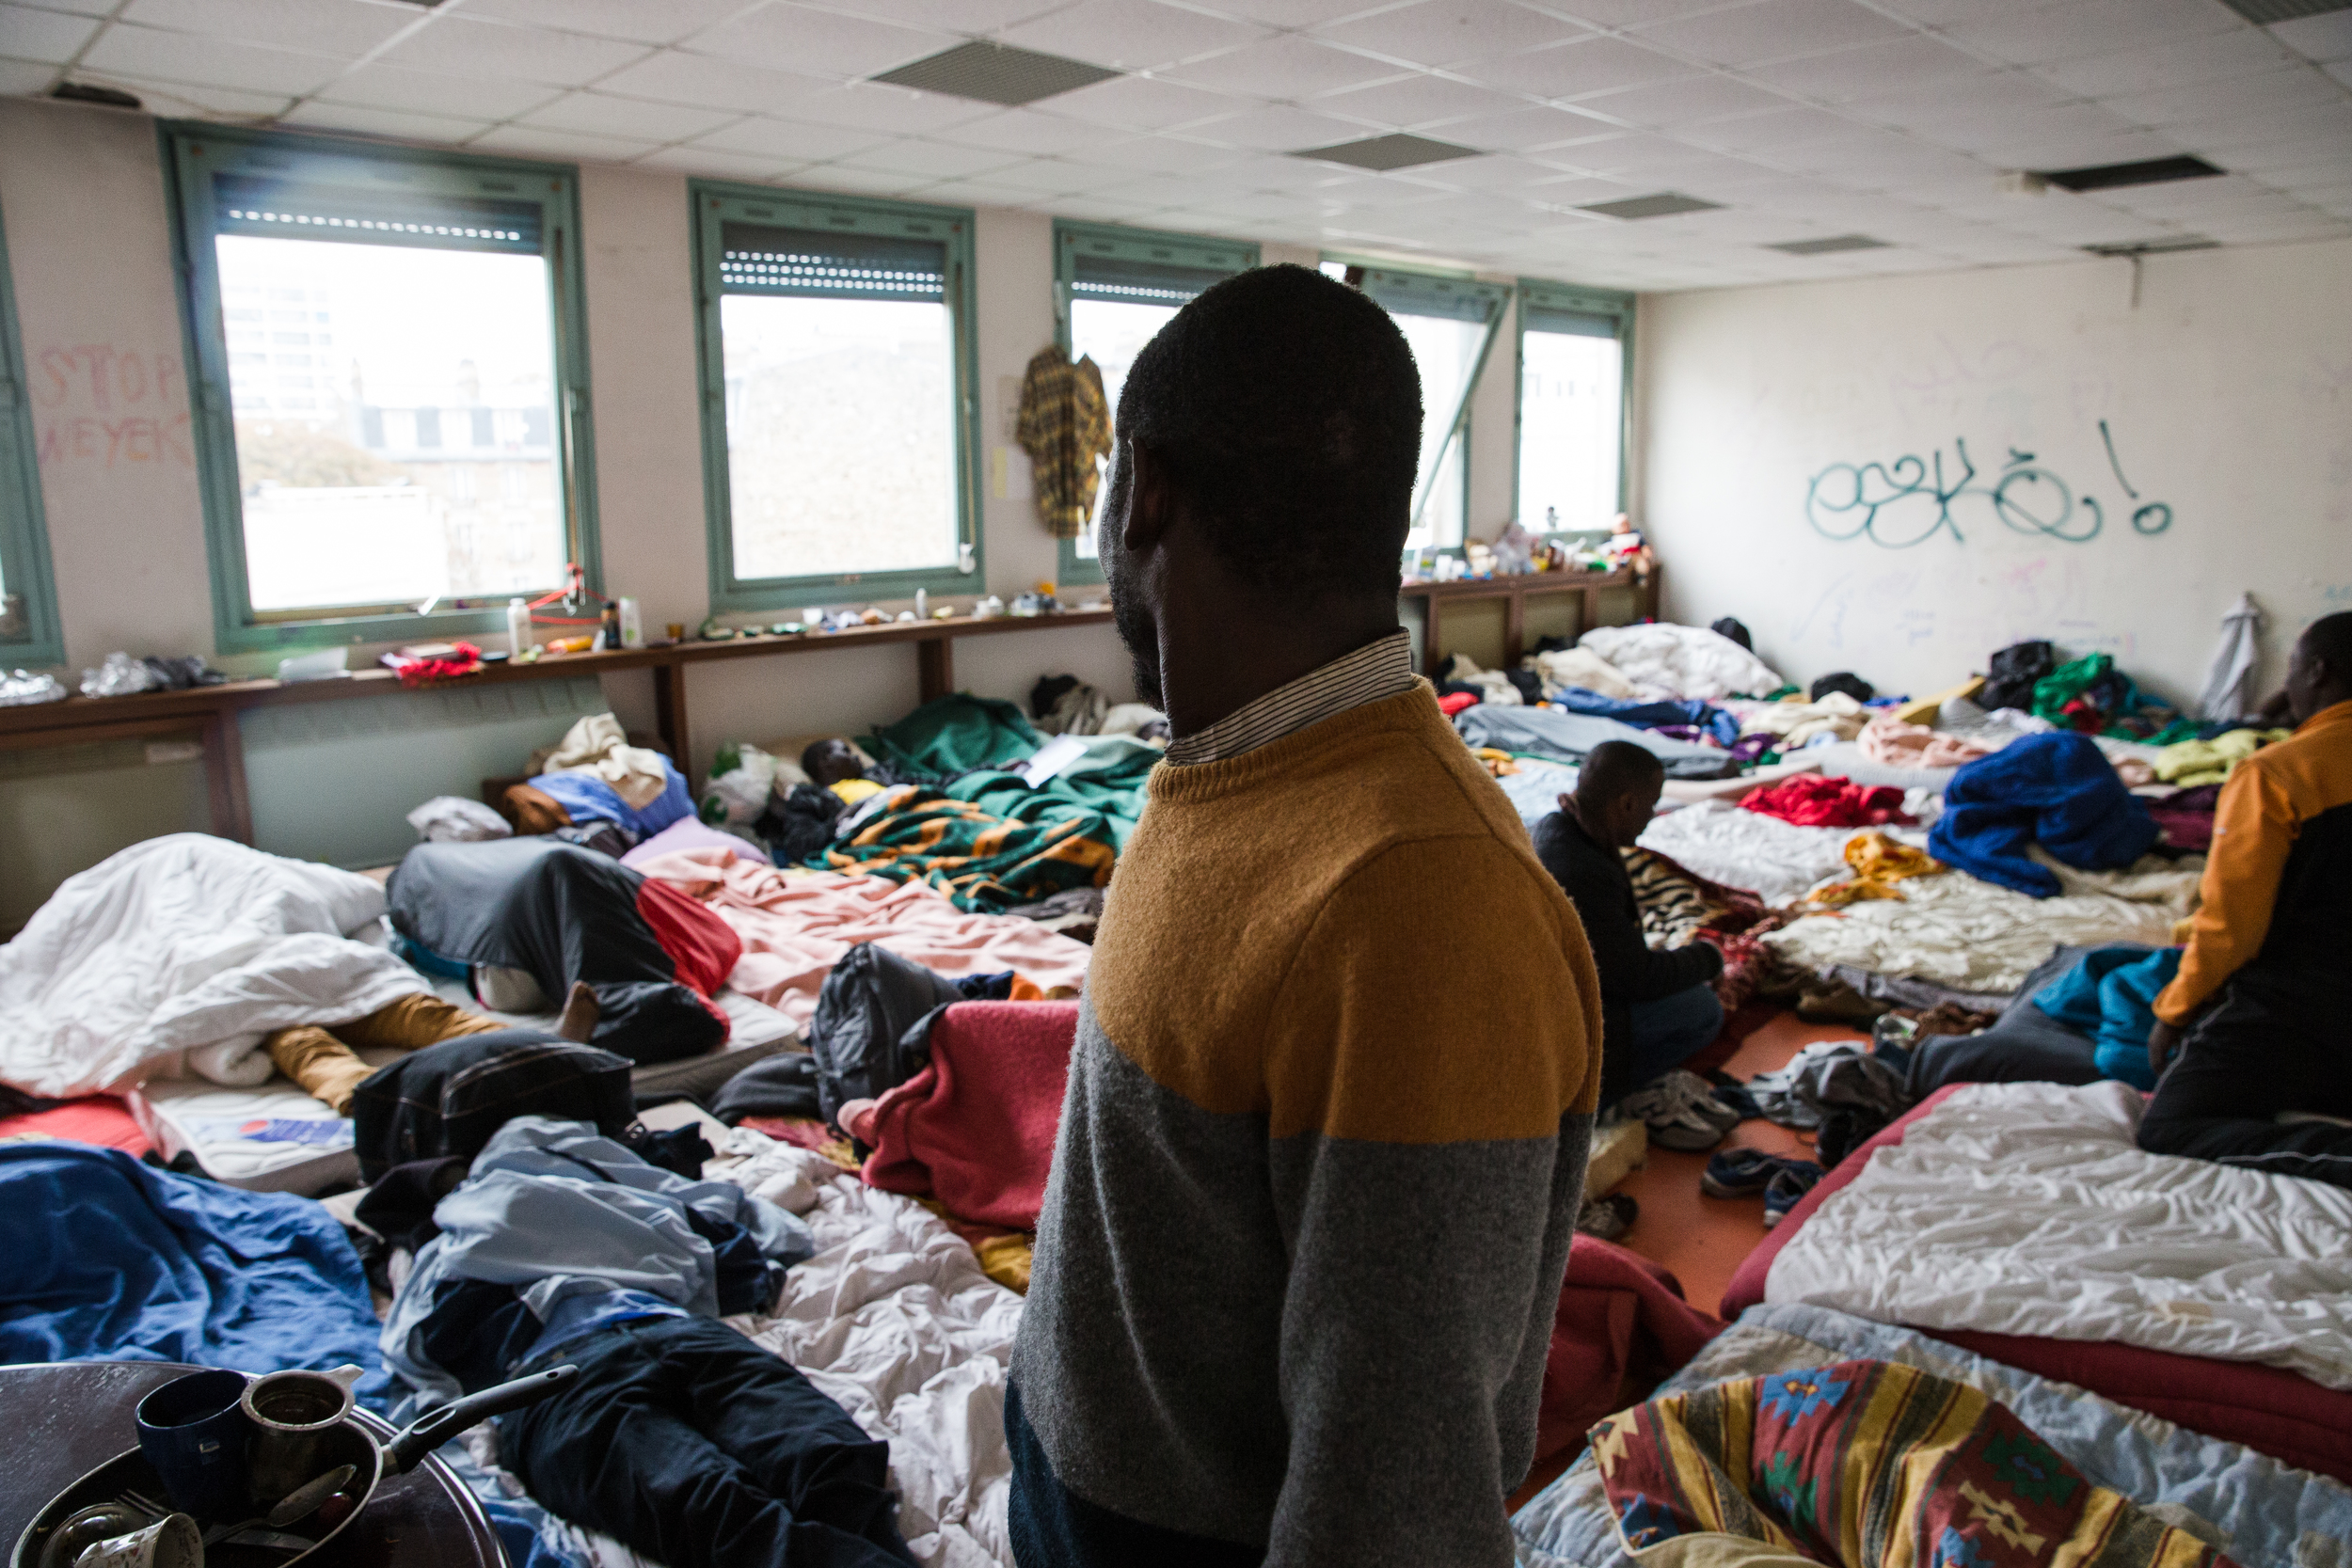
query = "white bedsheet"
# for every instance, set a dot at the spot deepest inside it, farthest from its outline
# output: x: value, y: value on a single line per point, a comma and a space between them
x: 187, y: 943
x: 2028, y: 1208
x: 1774, y: 860
x: 1971, y: 935
x: 1665, y: 660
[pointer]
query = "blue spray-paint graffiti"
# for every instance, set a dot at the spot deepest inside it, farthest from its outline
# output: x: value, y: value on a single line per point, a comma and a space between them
x: 1846, y: 501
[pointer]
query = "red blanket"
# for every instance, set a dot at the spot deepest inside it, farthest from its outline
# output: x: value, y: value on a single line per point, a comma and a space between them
x: 975, y: 1127
x: 1811, y: 801
x: 1622, y: 1328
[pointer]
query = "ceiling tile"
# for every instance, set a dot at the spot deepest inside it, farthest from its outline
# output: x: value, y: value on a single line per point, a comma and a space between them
x: 1452, y: 32
x: 1691, y: 100
x: 1277, y: 128
x: 1286, y: 66
x: 180, y: 98
x: 1159, y: 154
x: 817, y: 43
x: 344, y: 29
x: 2060, y: 122
x: 2267, y: 93
x: 1877, y: 69
x: 780, y: 141
x: 665, y: 23
x: 1100, y: 209
x: 699, y: 82
x: 937, y: 160
x: 1141, y: 103
x: 946, y: 16
x: 1771, y: 30
x: 25, y: 77
x: 849, y: 182
x: 2244, y: 52
x: 426, y: 92
x: 1517, y: 129
x: 1637, y: 153
x: 717, y: 165
x: 1577, y: 69
x: 320, y: 115
x: 2081, y: 29
x: 603, y: 115
x: 1494, y: 172
x: 50, y: 37
x: 2241, y: 132
x: 1415, y: 100
x: 504, y: 52
x: 1764, y: 135
x: 1131, y: 35
x: 1030, y: 131
x: 529, y: 142
x: 1275, y: 173
x: 1964, y: 100
x: 2130, y: 147
x: 2318, y: 37
x: 1624, y: 13
x: 207, y: 62
x: 874, y: 106
x: 1056, y: 176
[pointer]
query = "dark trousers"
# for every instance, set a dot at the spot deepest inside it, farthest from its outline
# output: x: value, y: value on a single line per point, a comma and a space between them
x: 690, y: 1444
x: 2268, y: 1046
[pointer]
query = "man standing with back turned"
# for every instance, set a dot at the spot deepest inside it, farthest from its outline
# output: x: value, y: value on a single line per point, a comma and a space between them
x: 1327, y: 1113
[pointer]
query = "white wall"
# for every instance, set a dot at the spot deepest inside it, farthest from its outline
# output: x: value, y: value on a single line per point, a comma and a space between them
x: 2227, y: 388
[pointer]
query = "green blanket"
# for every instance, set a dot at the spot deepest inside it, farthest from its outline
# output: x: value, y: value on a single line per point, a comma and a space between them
x: 951, y: 736
x: 982, y: 860
x: 1109, y: 781
x: 970, y: 748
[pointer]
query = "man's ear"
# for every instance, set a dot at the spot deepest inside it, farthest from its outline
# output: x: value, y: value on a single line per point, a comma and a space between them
x: 1151, y: 501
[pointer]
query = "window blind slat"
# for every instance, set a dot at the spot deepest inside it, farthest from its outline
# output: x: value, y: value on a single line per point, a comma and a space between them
x: 756, y: 258
x: 1571, y: 323
x: 242, y: 204
x: 1136, y: 281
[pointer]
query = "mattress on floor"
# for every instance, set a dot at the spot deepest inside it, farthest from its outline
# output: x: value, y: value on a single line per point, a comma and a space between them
x: 274, y: 1138
x: 756, y: 1031
x: 2271, y: 1409
x: 2268, y: 1513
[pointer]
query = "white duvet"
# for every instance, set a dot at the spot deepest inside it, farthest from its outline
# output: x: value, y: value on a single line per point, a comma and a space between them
x: 186, y: 943
x: 2028, y: 1208
x: 1663, y: 660
x: 1972, y: 935
x: 1776, y: 860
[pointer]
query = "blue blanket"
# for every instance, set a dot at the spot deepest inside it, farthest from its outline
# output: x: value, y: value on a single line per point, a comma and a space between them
x: 2110, y: 994
x: 586, y: 797
x: 2056, y: 790
x: 111, y: 1260
x: 1650, y: 716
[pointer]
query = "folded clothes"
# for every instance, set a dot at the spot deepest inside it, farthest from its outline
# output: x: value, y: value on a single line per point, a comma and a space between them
x: 1888, y: 740
x: 2058, y: 790
x: 1810, y: 801
x: 1799, y: 724
x: 2110, y: 994
x: 2189, y: 762
x: 1713, y: 722
x: 1562, y: 667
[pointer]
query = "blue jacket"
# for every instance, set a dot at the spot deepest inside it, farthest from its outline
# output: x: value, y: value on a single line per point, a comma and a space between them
x: 2058, y: 790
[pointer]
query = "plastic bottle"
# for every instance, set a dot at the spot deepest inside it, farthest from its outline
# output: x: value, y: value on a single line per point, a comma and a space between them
x: 517, y: 627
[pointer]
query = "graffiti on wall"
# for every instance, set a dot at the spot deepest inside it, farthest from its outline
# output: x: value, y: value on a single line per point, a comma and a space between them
x: 1913, y: 498
x: 105, y: 407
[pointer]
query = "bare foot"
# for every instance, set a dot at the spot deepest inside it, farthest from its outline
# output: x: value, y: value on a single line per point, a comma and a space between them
x: 856, y: 1119
x: 579, y: 1014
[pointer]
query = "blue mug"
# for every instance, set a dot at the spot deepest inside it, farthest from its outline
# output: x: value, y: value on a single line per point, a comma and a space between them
x: 194, y: 1432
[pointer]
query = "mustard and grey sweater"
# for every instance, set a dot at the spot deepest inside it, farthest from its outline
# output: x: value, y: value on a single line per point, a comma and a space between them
x: 1319, y: 1165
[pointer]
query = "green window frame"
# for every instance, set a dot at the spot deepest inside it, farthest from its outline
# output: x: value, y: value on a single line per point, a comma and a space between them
x: 872, y: 224
x: 1141, y: 263
x: 1456, y: 296
x: 1546, y: 305
x: 30, y: 634
x: 331, y: 171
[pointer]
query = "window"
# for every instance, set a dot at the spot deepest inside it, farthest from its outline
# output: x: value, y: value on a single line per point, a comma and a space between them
x: 1572, y: 395
x: 837, y: 366
x: 406, y: 291
x: 1450, y: 324
x: 29, y: 632
x: 1114, y: 289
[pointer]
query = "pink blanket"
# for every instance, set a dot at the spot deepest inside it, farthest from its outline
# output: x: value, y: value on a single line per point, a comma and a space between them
x: 975, y: 1127
x: 1891, y: 743
x: 795, y: 929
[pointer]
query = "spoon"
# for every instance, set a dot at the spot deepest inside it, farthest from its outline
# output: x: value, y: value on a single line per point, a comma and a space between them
x: 297, y: 1505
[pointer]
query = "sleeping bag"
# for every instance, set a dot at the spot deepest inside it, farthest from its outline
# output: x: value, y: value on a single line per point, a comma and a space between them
x: 653, y: 956
x: 2056, y: 790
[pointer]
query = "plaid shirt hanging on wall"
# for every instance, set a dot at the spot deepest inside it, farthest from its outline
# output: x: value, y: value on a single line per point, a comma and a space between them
x: 1065, y: 428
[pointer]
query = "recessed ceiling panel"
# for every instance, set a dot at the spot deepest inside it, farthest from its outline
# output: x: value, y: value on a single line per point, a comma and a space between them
x: 1382, y: 153
x: 996, y: 73
x: 1663, y: 205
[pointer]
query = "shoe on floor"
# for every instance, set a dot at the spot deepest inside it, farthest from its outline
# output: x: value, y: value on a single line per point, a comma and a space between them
x: 1787, y: 1190
x: 1680, y: 1112
x: 1608, y: 1217
x: 1743, y: 1172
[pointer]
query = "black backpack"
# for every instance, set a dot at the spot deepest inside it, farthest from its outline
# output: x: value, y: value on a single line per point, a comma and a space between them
x: 867, y: 1005
x: 449, y: 1099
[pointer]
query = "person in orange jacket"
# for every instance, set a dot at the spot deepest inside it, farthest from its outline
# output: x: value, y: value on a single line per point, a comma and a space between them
x: 2258, y: 1024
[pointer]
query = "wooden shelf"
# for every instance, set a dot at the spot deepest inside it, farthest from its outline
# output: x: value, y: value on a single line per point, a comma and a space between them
x: 1434, y: 596
x: 210, y: 712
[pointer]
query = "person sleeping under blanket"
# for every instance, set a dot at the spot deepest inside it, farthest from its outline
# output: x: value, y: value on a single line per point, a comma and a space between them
x: 2257, y: 1026
x: 1657, y: 1008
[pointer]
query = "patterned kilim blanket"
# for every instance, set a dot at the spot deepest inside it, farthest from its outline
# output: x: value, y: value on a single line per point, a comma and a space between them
x: 1680, y: 905
x: 1867, y: 1464
x: 984, y: 862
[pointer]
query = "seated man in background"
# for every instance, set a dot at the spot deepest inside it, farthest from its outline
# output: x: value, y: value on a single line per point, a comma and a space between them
x: 1658, y: 1009
x: 2258, y: 1024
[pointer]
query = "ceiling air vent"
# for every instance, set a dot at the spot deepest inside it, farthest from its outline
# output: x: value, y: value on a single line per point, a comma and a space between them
x: 2262, y: 13
x: 1663, y: 205
x: 1383, y: 153
x: 89, y: 92
x: 1828, y: 246
x: 2153, y: 248
x: 2111, y: 177
x: 996, y: 73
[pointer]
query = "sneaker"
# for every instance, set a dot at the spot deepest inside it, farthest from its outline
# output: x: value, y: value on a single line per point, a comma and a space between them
x: 1742, y: 1172
x: 1734, y: 1098
x: 1787, y: 1190
x: 1681, y: 1112
x: 1608, y: 1217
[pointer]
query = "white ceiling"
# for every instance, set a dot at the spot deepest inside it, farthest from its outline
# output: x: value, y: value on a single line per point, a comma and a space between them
x: 1805, y: 118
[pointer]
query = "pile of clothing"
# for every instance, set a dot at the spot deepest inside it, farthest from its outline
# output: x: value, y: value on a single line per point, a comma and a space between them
x: 1812, y: 800
x: 605, y: 791
x: 2056, y: 790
